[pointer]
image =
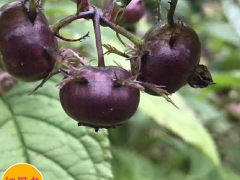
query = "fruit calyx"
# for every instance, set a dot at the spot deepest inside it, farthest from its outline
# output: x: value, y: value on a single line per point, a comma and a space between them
x: 201, y: 78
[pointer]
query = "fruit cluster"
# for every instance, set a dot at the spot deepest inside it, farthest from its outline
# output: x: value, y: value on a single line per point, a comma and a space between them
x: 105, y: 96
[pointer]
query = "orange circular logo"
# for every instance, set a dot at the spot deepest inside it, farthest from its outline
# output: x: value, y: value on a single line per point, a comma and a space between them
x: 22, y: 172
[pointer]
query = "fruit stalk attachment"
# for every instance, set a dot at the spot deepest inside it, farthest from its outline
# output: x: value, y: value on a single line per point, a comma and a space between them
x: 159, y: 3
x: 32, y: 13
x: 97, y: 29
x: 171, y: 11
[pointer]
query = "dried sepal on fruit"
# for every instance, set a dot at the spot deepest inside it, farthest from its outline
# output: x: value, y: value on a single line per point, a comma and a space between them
x: 201, y: 78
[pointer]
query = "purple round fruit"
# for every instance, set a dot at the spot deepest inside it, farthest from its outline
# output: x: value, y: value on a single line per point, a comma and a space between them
x: 24, y: 44
x: 96, y: 101
x: 169, y: 55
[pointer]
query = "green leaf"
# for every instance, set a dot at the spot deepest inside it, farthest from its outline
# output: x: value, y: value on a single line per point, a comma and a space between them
x: 228, y: 80
x: 225, y: 80
x: 232, y: 12
x: 128, y: 165
x: 229, y: 173
x: 182, y: 122
x: 227, y: 32
x: 34, y: 129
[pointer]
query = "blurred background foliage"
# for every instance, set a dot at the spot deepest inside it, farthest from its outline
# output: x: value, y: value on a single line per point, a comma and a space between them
x: 201, y: 141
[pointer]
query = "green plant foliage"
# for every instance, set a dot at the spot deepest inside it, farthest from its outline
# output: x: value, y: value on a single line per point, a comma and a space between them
x: 198, y: 141
x: 232, y: 12
x: 35, y: 130
x: 186, y: 125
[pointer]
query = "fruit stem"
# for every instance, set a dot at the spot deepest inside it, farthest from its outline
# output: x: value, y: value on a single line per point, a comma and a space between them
x: 173, y: 5
x: 121, y: 31
x: 159, y: 3
x: 97, y: 29
x: 32, y: 13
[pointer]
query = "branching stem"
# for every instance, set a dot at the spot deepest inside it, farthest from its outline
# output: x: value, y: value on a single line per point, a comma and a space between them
x: 89, y: 15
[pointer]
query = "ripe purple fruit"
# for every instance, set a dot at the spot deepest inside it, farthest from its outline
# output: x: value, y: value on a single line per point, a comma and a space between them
x: 169, y: 55
x: 94, y: 100
x: 26, y: 41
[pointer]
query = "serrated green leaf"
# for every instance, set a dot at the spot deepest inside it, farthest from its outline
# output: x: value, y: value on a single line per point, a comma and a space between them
x: 34, y: 129
x: 182, y: 122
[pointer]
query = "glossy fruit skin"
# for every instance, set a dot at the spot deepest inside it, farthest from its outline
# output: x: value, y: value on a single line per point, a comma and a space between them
x: 25, y: 45
x: 169, y: 55
x: 133, y: 13
x: 99, y: 103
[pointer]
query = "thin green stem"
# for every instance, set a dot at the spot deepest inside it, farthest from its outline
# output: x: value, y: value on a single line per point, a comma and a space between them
x: 122, y: 31
x: 159, y: 2
x: 173, y: 5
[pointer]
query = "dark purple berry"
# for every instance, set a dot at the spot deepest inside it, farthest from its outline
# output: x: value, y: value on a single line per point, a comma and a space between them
x: 169, y: 55
x: 26, y: 42
x: 95, y: 100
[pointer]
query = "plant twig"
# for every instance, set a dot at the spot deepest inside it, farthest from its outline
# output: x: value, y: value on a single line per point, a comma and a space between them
x: 64, y: 22
x: 97, y: 29
x: 89, y: 15
x: 32, y: 13
x: 72, y: 40
x: 122, y: 31
x: 173, y: 5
